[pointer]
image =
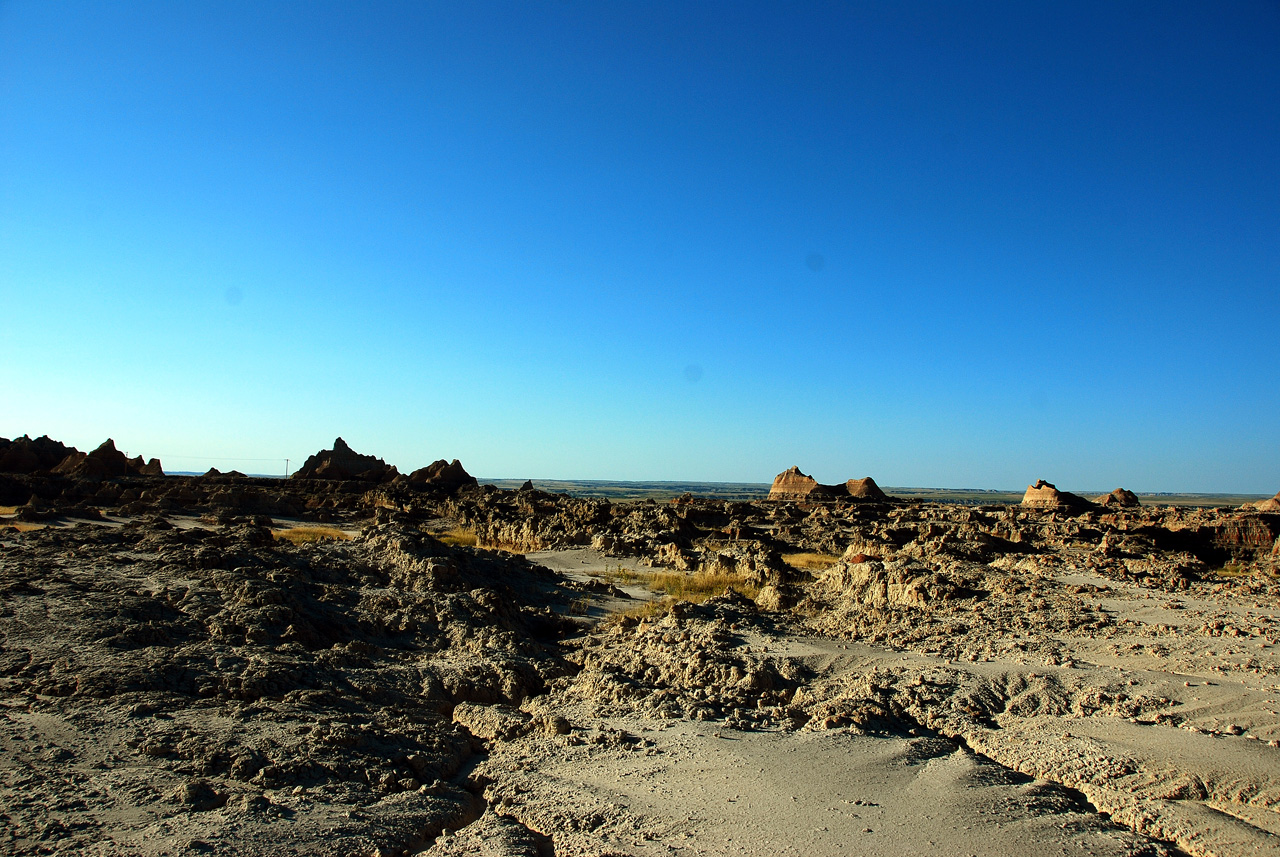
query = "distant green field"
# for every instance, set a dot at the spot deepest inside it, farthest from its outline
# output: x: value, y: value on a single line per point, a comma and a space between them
x: 662, y: 491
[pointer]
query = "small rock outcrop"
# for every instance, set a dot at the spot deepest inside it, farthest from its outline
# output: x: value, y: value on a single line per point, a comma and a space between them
x: 865, y: 488
x: 1045, y: 495
x: 1121, y: 498
x: 343, y: 462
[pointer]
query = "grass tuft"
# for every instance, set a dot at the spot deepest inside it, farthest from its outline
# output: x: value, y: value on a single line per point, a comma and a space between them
x: 700, y: 586
x: 458, y: 537
x: 620, y: 575
x: 1234, y: 570
x: 23, y: 527
x: 308, y: 535
x: 675, y: 586
x: 810, y: 561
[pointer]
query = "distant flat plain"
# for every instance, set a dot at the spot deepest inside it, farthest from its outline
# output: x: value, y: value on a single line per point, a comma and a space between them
x: 623, y: 491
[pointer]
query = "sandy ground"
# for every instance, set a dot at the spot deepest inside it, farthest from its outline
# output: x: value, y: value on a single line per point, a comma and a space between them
x: 1154, y: 732
x: 690, y: 788
x: 1149, y: 724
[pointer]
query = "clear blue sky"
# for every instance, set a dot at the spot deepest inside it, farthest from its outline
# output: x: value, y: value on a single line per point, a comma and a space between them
x: 941, y: 244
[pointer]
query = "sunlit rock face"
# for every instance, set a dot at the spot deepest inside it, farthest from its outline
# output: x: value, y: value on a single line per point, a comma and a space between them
x: 1045, y: 495
x: 791, y: 484
x: 865, y: 489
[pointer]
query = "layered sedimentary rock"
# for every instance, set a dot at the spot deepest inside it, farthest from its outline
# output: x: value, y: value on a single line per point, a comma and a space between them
x: 1045, y: 495
x: 343, y: 462
x: 1120, y: 497
x: 791, y: 484
x: 865, y: 488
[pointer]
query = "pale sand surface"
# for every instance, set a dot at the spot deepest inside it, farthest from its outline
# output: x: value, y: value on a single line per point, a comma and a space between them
x: 704, y: 790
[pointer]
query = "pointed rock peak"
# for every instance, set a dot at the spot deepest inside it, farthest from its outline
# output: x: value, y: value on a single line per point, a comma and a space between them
x: 342, y: 462
x: 442, y: 473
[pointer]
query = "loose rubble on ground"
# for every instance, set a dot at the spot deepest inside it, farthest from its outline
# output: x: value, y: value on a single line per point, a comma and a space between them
x: 356, y: 661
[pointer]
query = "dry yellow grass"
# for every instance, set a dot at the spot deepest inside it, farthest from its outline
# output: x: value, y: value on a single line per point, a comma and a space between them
x: 621, y: 575
x: 8, y: 510
x: 810, y: 561
x: 700, y: 586
x: 676, y: 586
x: 458, y: 537
x: 697, y: 587
x: 1235, y: 570
x: 24, y: 528
x: 306, y: 535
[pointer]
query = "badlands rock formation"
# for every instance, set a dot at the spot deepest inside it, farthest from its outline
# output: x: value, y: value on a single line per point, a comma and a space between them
x: 865, y: 489
x: 182, y: 672
x: 791, y: 484
x: 1271, y: 504
x: 1120, y: 497
x: 1044, y: 495
x: 343, y: 462
x: 450, y: 475
x: 44, y: 455
x: 24, y: 455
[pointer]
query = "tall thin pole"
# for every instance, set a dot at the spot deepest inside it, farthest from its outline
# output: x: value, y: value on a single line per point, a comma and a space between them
x: 286, y: 468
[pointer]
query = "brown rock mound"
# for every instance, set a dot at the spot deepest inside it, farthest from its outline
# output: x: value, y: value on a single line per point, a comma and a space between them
x: 343, y: 462
x: 1045, y: 495
x: 1271, y: 504
x: 865, y: 488
x: 24, y: 455
x: 444, y: 474
x: 1121, y: 497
